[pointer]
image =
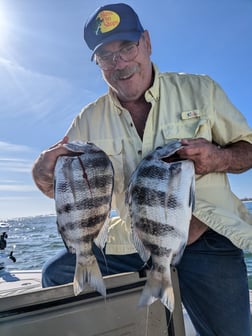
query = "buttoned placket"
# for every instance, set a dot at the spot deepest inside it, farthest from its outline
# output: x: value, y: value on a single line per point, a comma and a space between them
x: 149, y: 130
x: 132, y: 131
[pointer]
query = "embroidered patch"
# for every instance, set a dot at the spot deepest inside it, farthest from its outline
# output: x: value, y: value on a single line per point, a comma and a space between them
x: 190, y: 114
x: 106, y: 21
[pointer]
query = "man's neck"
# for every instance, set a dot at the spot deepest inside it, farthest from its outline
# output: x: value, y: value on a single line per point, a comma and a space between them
x: 139, y: 111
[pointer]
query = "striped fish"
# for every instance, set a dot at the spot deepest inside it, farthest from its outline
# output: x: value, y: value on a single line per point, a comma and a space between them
x: 83, y: 193
x: 160, y: 197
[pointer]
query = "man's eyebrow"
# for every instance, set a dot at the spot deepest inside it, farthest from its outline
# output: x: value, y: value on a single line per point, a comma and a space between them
x: 103, y: 51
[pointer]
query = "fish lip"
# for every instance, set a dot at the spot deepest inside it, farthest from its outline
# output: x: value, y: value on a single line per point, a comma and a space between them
x: 172, y: 158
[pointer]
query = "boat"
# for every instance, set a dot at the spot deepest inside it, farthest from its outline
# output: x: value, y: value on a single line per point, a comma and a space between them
x: 26, y: 309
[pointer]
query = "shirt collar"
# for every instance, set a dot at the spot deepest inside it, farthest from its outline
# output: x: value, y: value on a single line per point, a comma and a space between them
x: 153, y: 92
x: 150, y: 94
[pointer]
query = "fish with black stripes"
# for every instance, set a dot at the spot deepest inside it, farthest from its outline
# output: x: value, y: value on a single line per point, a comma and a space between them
x: 83, y: 187
x: 160, y: 196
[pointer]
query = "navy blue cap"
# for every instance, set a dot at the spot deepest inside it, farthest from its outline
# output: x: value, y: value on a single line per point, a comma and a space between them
x: 114, y: 22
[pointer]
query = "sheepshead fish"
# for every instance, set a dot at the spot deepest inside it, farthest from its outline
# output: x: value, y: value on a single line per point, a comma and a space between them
x: 160, y: 196
x: 83, y: 193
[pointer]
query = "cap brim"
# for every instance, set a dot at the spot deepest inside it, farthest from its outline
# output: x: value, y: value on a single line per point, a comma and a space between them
x: 129, y: 36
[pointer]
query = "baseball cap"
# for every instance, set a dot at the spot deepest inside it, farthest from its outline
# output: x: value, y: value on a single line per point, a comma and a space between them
x: 113, y: 22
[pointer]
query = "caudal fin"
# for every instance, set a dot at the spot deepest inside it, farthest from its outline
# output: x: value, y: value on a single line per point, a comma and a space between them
x: 157, y: 288
x: 88, y: 274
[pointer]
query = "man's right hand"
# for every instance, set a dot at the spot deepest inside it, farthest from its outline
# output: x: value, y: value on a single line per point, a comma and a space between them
x: 43, y: 168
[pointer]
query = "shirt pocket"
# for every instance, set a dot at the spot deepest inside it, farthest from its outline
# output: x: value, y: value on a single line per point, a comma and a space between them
x: 192, y: 124
x: 114, y: 150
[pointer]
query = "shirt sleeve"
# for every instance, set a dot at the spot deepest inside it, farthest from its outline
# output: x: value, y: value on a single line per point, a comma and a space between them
x: 229, y: 125
x: 77, y: 131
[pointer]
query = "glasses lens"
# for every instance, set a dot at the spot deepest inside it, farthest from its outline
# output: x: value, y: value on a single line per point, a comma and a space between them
x: 127, y: 54
x: 105, y: 62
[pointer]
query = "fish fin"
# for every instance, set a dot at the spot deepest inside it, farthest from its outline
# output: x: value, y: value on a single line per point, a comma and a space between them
x: 65, y: 240
x: 139, y: 246
x: 141, y: 249
x: 157, y: 288
x: 128, y: 192
x: 177, y: 257
x: 192, y: 195
x: 88, y: 274
x: 102, y: 237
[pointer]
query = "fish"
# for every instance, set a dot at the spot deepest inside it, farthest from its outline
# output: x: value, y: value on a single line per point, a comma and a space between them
x: 83, y: 187
x: 161, y: 196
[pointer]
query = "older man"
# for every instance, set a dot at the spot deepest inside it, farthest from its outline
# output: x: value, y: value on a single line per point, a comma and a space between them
x: 145, y: 109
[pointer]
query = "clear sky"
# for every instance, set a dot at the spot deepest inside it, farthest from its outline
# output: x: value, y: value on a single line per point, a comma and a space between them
x: 46, y: 75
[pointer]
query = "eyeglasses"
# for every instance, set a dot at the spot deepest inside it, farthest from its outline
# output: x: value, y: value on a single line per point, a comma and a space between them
x: 107, y: 60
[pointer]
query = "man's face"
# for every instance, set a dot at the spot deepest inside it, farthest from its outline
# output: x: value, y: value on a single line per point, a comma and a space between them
x: 129, y: 79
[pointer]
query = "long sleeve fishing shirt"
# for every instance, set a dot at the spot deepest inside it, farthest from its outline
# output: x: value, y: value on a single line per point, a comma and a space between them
x: 182, y: 106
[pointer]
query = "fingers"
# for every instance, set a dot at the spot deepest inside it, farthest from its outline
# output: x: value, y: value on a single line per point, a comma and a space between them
x: 61, y: 142
x: 203, y: 153
x: 58, y: 149
x: 195, y: 142
x: 194, y: 147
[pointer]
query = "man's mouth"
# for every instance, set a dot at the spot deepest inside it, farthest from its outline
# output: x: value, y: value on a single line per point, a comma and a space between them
x: 125, y: 73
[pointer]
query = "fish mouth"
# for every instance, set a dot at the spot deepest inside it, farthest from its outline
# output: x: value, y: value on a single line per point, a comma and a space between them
x: 173, y: 158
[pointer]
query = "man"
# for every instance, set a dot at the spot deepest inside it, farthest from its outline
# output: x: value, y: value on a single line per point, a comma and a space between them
x: 145, y: 109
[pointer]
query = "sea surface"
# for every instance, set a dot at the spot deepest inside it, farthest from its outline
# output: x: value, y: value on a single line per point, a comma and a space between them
x: 33, y: 240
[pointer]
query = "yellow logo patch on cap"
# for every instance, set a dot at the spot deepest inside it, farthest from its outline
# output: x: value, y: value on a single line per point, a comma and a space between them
x: 107, y: 21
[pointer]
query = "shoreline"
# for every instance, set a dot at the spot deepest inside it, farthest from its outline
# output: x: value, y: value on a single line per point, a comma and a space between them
x: 3, y: 220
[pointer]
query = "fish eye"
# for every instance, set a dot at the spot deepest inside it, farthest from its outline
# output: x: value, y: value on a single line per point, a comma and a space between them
x: 175, y: 168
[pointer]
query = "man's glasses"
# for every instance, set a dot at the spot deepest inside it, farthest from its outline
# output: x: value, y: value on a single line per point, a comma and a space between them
x: 107, y: 60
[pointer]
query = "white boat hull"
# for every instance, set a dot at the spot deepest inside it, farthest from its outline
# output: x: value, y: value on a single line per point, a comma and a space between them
x: 32, y: 311
x: 28, y: 310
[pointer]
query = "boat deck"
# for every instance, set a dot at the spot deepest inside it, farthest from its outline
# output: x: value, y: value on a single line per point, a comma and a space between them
x: 25, y: 308
x: 19, y: 282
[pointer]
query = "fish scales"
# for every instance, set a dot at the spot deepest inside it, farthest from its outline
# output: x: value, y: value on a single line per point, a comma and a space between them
x: 151, y: 227
x: 160, y: 196
x: 83, y: 184
x: 88, y: 203
x: 153, y: 198
x: 84, y: 223
x: 99, y: 182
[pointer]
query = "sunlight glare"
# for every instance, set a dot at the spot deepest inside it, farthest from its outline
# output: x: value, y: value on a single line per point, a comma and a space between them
x: 3, y: 27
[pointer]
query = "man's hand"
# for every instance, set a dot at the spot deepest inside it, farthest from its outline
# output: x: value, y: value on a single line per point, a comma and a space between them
x: 43, y: 168
x: 205, y: 155
x: 209, y: 158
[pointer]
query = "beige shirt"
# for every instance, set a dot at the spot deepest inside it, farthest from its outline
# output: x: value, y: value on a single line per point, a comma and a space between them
x: 182, y: 106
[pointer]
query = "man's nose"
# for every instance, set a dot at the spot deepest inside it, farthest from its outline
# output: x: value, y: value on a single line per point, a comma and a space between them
x: 116, y: 56
x: 118, y: 61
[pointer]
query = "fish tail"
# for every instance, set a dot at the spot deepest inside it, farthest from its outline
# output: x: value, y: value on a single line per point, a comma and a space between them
x: 88, y: 274
x: 157, y: 288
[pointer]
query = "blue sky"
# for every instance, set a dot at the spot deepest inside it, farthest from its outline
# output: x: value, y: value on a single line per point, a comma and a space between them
x: 46, y: 76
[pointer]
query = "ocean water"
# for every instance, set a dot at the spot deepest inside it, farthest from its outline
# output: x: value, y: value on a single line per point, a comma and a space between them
x: 32, y: 239
x: 35, y: 239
